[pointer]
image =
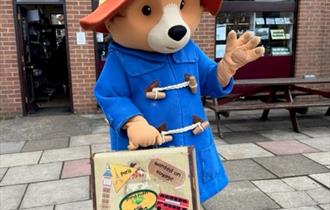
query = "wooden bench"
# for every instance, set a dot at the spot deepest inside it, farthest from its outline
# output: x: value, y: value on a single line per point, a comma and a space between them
x: 268, y: 91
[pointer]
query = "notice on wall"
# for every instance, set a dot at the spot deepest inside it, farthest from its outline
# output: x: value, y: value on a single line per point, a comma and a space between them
x: 277, y: 34
x: 81, y: 38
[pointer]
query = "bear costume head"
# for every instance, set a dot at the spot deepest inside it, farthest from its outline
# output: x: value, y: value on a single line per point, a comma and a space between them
x: 163, y: 26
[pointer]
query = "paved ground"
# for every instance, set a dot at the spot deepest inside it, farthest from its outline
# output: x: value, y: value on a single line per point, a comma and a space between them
x: 44, y: 162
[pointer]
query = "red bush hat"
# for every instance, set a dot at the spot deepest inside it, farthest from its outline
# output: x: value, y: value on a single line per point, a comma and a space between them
x: 109, y: 8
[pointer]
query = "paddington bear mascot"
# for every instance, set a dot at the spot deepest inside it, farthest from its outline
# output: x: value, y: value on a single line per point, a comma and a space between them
x: 151, y: 86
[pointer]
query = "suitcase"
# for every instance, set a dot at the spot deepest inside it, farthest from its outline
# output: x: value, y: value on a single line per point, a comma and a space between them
x: 161, y: 179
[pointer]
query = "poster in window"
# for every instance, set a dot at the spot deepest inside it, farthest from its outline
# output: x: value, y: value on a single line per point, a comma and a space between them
x: 263, y: 33
x: 221, y: 32
x: 220, y: 50
x: 277, y: 34
x: 260, y: 21
x: 270, y: 21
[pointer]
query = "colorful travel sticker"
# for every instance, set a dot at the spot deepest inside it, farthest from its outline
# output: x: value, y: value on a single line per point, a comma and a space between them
x: 120, y: 175
x: 166, y: 172
x: 171, y: 202
x: 139, y: 200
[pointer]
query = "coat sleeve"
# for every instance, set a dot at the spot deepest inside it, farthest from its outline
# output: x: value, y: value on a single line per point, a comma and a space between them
x: 112, y: 93
x: 210, y: 86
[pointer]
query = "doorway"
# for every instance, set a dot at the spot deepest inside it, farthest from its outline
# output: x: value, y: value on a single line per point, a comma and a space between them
x: 41, y: 34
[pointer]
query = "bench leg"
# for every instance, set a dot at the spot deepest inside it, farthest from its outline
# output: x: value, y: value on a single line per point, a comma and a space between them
x: 270, y: 98
x: 265, y: 114
x: 328, y: 112
x: 294, y: 121
x: 217, y: 117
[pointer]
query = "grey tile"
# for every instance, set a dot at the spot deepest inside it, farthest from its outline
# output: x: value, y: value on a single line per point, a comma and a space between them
x: 11, y: 196
x: 19, y: 159
x: 82, y: 205
x: 305, y: 208
x: 243, y: 137
x: 273, y: 185
x: 320, y: 143
x: 100, y: 148
x: 32, y: 173
x: 72, y: 153
x: 241, y: 170
x: 41, y: 208
x: 292, y: 199
x: 320, y: 157
x: 56, y: 192
x: 281, y: 134
x: 301, y: 183
x: 320, y: 195
x: 325, y: 206
x: 11, y: 147
x: 317, y: 132
x: 101, y: 129
x: 323, y: 178
x: 56, y: 143
x: 2, y: 172
x: 294, y: 165
x: 240, y: 196
x: 101, y: 138
x: 242, y: 151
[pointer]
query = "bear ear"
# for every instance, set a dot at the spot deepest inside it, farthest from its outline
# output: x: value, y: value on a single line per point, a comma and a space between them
x: 212, y: 6
x: 106, y: 9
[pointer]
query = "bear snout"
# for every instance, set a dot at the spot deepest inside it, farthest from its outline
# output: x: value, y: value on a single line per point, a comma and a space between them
x: 177, y: 32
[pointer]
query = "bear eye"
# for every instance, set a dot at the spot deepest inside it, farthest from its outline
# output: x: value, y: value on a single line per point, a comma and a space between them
x: 146, y: 10
x: 182, y: 4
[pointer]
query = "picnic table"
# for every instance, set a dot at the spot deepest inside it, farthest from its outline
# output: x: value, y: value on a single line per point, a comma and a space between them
x: 275, y: 93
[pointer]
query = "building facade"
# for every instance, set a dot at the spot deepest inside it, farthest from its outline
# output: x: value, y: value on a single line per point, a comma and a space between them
x: 25, y: 24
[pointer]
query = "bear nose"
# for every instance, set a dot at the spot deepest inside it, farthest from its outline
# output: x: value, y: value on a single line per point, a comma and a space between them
x: 177, y: 32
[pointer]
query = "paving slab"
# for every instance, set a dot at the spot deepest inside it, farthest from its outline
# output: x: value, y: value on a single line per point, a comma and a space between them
x: 19, y: 159
x: 289, y: 147
x: 325, y: 206
x: 247, y: 126
x: 241, y: 170
x: 11, y: 147
x: 321, y: 157
x: 243, y: 137
x: 316, y: 131
x: 32, y: 173
x: 100, y: 148
x: 320, y: 143
x: 243, y: 151
x: 72, y: 153
x: 56, y: 143
x: 76, y: 168
x: 281, y: 134
x: 2, y: 172
x: 41, y: 208
x: 320, y: 195
x: 292, y: 199
x: 101, y: 138
x: 323, y: 178
x: 240, y: 196
x: 11, y: 196
x: 293, y: 165
x: 301, y: 183
x: 56, y: 192
x: 273, y: 185
x: 44, y: 128
x: 82, y: 205
x: 101, y: 129
x: 305, y: 208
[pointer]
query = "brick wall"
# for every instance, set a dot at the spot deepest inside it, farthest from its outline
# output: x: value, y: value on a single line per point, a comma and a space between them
x: 82, y: 58
x: 205, y: 34
x: 10, y: 92
x: 313, y: 43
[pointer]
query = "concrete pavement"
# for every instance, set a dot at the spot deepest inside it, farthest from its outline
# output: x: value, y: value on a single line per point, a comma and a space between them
x: 44, y: 161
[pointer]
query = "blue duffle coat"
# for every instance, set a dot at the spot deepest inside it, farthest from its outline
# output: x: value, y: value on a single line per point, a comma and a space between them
x: 120, y: 91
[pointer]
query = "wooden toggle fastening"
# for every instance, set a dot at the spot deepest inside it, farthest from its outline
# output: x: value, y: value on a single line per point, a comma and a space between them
x: 192, y: 83
x: 202, y: 126
x: 154, y: 95
x: 162, y: 128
